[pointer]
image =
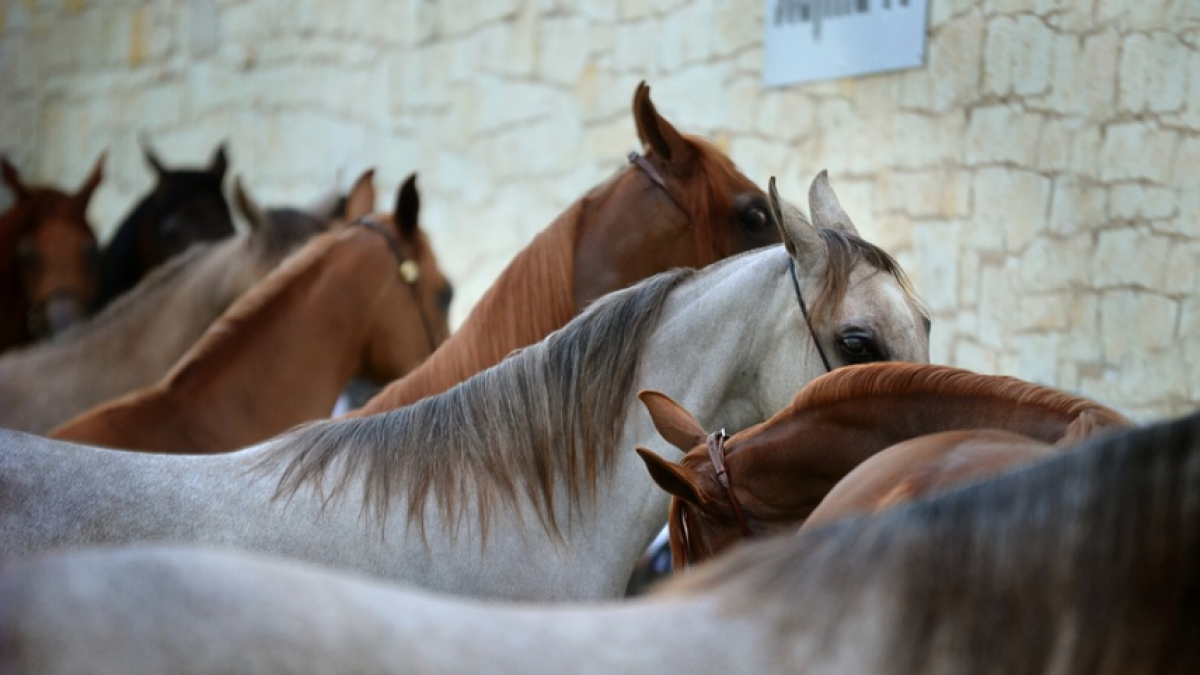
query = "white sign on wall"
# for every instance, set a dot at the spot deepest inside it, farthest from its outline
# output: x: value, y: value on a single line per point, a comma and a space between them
x: 807, y: 40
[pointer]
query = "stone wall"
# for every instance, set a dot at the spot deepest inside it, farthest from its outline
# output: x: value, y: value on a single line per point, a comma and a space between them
x: 1036, y: 177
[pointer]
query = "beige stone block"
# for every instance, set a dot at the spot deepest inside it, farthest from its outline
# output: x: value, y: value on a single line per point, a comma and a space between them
x: 919, y: 194
x: 565, y: 45
x: 935, y: 247
x: 1138, y: 150
x: 1003, y: 133
x: 781, y: 113
x: 923, y: 141
x: 1151, y: 380
x: 636, y: 50
x: 1130, y: 257
x: 1040, y: 312
x: 941, y: 342
x: 1132, y: 322
x: 692, y: 98
x: 1131, y: 201
x: 1011, y: 204
x: 1187, y: 167
x: 1037, y: 358
x: 1056, y: 264
x: 1017, y: 56
x: 1083, y: 78
x: 1189, y: 324
x: 1151, y: 79
x: 1138, y: 16
x: 458, y: 17
x: 997, y: 305
x: 973, y: 356
x: 1077, y: 205
x: 1183, y: 269
x: 736, y: 26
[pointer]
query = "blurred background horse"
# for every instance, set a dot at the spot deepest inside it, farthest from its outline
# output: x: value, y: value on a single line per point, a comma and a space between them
x: 133, y: 342
x: 49, y: 265
x: 367, y: 299
x: 185, y: 206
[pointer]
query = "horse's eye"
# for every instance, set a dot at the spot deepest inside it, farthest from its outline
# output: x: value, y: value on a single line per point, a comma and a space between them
x: 859, y: 348
x: 446, y: 297
x: 754, y: 218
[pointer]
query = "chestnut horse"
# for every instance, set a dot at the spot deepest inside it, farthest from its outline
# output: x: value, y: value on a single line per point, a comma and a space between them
x: 184, y: 207
x: 133, y: 342
x: 49, y: 274
x: 770, y: 477
x: 682, y: 204
x: 1084, y: 564
x: 520, y: 482
x: 366, y: 299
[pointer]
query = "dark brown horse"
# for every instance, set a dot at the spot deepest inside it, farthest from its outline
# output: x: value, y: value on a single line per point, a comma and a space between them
x: 770, y: 477
x: 682, y: 204
x: 185, y: 206
x: 366, y: 298
x: 49, y: 274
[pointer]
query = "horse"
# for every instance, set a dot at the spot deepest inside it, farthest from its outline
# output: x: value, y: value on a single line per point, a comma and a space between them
x: 681, y: 204
x: 1087, y: 563
x: 185, y: 206
x: 49, y: 276
x: 133, y: 342
x: 366, y: 299
x: 520, y: 482
x: 770, y: 478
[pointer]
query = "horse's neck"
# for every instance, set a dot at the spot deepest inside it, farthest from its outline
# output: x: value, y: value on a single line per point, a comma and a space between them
x: 230, y: 375
x: 525, y: 304
x: 862, y: 426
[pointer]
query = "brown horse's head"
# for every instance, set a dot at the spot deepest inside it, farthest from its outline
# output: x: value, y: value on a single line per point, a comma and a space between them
x: 52, y: 261
x: 689, y: 204
x: 421, y: 294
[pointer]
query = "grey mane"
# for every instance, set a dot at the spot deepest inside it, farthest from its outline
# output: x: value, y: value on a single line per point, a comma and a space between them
x: 554, y: 409
x: 1087, y: 563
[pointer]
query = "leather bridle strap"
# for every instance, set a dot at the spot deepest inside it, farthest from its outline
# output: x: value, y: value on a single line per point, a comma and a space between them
x: 408, y: 270
x: 716, y: 453
x: 653, y: 174
x: 804, y: 311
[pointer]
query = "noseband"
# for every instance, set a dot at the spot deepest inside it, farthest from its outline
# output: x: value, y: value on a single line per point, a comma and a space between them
x: 408, y: 270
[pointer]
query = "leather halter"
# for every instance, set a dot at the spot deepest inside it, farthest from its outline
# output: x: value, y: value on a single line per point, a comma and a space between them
x: 654, y: 176
x: 716, y: 454
x: 804, y: 311
x: 408, y: 271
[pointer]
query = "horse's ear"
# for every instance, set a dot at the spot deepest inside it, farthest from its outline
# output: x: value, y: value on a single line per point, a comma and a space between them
x: 152, y: 157
x: 1091, y: 423
x: 675, y: 424
x: 12, y: 177
x: 800, y: 238
x: 84, y: 194
x: 361, y: 199
x: 253, y: 213
x: 408, y: 205
x: 826, y: 210
x: 658, y: 134
x: 675, y: 479
x: 219, y: 163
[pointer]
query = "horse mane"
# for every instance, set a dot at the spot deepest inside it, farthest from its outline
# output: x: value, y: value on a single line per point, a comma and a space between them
x: 542, y: 275
x: 843, y: 252
x: 513, y: 428
x: 899, y: 378
x: 228, y: 330
x: 285, y: 228
x: 1087, y: 562
x: 710, y: 197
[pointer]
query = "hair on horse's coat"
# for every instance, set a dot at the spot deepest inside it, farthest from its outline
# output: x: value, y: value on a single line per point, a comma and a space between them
x: 1088, y: 562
